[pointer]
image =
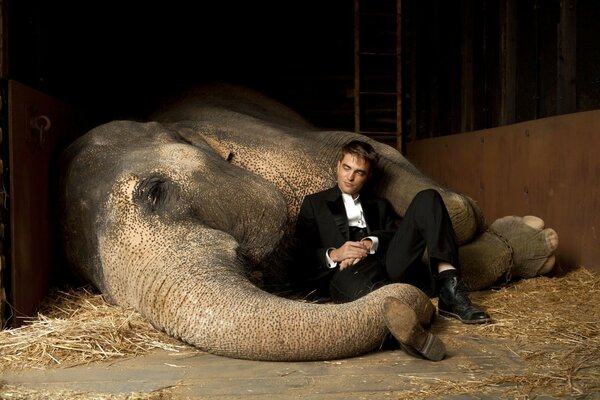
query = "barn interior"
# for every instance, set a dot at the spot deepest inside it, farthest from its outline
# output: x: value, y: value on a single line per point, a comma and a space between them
x: 509, y: 90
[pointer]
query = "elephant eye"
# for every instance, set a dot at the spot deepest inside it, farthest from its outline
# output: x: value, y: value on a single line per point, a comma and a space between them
x: 153, y: 193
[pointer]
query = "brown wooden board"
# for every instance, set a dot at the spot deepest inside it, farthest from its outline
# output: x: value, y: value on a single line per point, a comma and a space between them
x: 548, y: 168
x: 37, y: 124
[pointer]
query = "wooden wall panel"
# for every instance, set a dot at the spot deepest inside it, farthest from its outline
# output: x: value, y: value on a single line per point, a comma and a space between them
x: 38, y: 125
x: 548, y: 167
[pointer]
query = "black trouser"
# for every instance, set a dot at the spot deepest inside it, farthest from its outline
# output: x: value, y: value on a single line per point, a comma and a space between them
x: 426, y: 224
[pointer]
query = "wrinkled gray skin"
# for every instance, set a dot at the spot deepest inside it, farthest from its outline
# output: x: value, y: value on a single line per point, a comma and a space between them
x: 169, y: 217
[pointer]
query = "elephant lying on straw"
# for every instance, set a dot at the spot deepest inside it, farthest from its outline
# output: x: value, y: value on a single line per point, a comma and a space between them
x: 171, y: 216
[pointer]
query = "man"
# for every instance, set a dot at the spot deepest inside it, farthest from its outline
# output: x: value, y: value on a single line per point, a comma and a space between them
x: 351, y: 243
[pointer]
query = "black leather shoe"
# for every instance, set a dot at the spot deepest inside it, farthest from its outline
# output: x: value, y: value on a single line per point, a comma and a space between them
x: 454, y: 302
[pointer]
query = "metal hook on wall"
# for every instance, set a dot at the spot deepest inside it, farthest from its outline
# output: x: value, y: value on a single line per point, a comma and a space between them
x: 41, y: 124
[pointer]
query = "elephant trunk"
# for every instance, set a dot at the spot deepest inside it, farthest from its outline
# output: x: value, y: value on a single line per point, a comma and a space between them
x: 203, y: 300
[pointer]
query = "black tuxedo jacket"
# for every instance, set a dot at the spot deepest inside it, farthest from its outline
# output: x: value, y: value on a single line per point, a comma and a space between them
x: 322, y: 224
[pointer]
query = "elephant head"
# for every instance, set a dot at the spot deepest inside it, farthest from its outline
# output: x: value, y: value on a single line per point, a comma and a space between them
x: 169, y: 217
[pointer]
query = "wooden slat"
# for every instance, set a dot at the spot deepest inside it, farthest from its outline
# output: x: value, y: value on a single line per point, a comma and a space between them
x: 467, y: 70
x: 356, y: 66
x: 399, y: 121
x: 4, y: 216
x: 566, y: 60
x: 508, y: 60
x: 4, y: 39
x: 32, y: 160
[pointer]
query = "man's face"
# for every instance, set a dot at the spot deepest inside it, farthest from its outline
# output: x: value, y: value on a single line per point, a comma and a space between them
x: 352, y: 174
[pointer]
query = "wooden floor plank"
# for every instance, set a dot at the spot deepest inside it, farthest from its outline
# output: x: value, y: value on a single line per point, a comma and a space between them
x: 379, y: 374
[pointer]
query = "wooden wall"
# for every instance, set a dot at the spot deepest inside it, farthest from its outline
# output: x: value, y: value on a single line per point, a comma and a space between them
x: 477, y: 64
x: 548, y: 167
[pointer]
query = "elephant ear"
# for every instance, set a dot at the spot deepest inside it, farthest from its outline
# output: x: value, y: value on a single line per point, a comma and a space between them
x: 154, y: 193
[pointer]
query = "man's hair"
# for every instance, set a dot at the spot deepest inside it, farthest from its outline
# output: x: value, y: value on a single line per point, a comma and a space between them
x: 363, y: 150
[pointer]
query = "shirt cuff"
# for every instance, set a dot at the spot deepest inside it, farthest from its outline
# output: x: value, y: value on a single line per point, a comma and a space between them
x: 375, y: 245
x: 330, y: 263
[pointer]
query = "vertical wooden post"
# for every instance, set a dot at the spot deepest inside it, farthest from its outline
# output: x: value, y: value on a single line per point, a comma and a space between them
x: 3, y: 39
x: 413, y: 116
x: 566, y: 58
x: 508, y: 60
x: 356, y: 66
x: 466, y: 113
x: 399, y: 141
x: 4, y: 245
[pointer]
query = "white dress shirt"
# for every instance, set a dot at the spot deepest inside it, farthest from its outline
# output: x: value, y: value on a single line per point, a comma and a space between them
x: 355, y: 215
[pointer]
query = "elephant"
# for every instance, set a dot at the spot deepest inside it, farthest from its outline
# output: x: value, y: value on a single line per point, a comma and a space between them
x: 184, y: 216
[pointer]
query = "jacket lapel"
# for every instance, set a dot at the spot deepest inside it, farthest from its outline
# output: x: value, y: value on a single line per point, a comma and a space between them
x: 336, y: 206
x: 371, y: 213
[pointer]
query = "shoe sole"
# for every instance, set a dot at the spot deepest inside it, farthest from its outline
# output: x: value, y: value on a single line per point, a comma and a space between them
x: 404, y: 325
x: 448, y: 314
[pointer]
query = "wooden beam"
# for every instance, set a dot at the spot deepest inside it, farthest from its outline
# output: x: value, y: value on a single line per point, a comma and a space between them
x: 566, y: 58
x: 467, y: 71
x: 3, y: 39
x: 399, y: 135
x: 356, y: 66
x: 508, y: 60
x: 414, y: 117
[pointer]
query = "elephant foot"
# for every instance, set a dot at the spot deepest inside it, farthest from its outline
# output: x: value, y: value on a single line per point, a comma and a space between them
x: 532, y: 244
x: 403, y: 323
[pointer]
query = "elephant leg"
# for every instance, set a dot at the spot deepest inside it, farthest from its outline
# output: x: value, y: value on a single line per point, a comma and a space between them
x: 485, y: 260
x: 401, y: 181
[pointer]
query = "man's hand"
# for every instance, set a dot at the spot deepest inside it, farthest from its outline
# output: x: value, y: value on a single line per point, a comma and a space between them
x: 368, y: 243
x: 350, y: 253
x: 348, y: 262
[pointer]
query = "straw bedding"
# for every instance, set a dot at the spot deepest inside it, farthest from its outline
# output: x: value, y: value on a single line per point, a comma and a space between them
x: 76, y: 327
x: 551, y: 323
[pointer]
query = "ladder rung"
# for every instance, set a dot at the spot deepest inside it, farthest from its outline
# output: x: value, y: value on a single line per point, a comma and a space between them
x: 377, y: 14
x: 372, y: 53
x: 379, y: 93
x: 380, y: 133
